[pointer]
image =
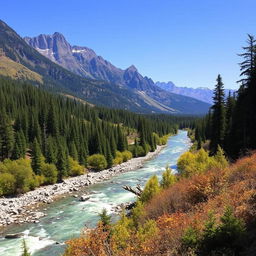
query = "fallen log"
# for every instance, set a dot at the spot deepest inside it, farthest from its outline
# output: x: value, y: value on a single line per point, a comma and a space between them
x: 137, y: 190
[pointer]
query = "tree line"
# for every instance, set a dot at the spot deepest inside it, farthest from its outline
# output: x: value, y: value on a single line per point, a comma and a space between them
x: 231, y: 122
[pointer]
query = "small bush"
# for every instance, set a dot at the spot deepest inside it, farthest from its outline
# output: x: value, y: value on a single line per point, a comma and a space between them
x: 163, y: 140
x: 168, y: 178
x: 50, y: 173
x: 151, y: 189
x: 127, y: 155
x: 38, y: 181
x: 75, y: 168
x: 23, y: 173
x: 198, y: 162
x: 118, y: 159
x: 97, y: 162
x: 140, y: 151
x: 7, y: 184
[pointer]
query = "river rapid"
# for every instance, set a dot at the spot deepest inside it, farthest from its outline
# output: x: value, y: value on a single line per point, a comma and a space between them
x: 66, y: 217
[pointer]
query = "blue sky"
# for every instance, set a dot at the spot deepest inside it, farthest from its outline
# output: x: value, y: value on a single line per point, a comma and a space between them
x: 185, y: 41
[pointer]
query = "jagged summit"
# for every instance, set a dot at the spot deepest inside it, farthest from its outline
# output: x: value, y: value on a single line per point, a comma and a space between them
x: 132, y: 68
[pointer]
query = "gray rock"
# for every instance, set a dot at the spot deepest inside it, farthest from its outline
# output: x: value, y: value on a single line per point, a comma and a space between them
x: 13, y: 236
x: 84, y: 198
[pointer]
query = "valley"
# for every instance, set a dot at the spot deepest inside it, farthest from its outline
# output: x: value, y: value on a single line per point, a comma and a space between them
x: 66, y: 217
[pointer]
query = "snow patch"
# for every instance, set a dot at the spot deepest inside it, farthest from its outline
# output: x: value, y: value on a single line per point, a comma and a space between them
x: 78, y: 51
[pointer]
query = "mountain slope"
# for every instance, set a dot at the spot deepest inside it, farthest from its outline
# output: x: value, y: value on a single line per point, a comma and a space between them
x: 201, y: 93
x: 62, y: 80
x: 94, y: 91
x: 80, y: 60
x: 84, y: 61
x: 16, y: 70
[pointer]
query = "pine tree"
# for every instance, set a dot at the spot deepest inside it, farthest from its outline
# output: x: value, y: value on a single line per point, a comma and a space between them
x: 247, y: 67
x: 135, y: 153
x: 73, y: 151
x: 105, y: 219
x: 6, y: 136
x: 218, y: 117
x: 37, y: 158
x: 120, y: 140
x: 62, y: 164
x: 23, y: 144
x: 244, y: 117
x: 51, y: 151
x: 109, y: 157
x: 82, y: 154
x: 113, y: 145
x: 230, y: 107
x: 52, y: 122
x: 19, y: 149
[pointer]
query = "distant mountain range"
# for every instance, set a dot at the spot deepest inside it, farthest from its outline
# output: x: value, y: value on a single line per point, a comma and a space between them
x: 201, y: 93
x: 78, y: 71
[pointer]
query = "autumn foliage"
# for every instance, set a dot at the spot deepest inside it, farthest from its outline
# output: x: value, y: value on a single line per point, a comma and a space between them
x: 209, y: 213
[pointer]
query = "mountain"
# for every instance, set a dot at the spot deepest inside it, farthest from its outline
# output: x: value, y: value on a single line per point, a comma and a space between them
x: 84, y: 61
x: 80, y: 60
x: 201, y: 93
x: 55, y: 53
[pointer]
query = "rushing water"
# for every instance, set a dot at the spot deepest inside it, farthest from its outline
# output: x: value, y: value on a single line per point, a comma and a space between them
x: 66, y: 217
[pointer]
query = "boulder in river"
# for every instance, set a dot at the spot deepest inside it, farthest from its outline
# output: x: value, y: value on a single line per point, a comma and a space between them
x: 84, y: 198
x: 13, y: 236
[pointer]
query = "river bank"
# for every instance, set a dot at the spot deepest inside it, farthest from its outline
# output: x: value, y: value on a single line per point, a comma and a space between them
x: 24, y: 208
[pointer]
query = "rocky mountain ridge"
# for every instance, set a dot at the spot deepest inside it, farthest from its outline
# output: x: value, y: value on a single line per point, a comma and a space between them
x: 139, y: 94
x: 201, y: 93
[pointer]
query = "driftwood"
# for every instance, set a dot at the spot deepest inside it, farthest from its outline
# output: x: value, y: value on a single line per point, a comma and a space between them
x: 137, y: 190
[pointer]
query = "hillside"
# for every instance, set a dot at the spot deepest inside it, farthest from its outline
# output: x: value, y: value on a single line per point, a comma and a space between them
x: 210, y: 213
x: 62, y: 80
x: 17, y: 71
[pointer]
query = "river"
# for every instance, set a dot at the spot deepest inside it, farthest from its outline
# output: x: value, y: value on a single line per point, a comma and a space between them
x: 66, y: 217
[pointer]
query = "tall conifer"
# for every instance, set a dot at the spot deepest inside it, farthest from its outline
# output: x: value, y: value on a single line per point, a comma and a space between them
x: 218, y: 116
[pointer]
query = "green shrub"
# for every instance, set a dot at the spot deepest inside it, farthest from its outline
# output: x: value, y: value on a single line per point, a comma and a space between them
x: 168, y: 178
x: 163, y: 140
x: 134, y: 150
x: 157, y: 139
x: 151, y: 189
x: 147, y: 149
x: 50, y: 173
x: 197, y: 162
x: 226, y: 237
x: 3, y: 168
x: 191, y: 238
x: 38, y: 181
x: 7, y: 184
x: 23, y: 173
x: 140, y: 151
x: 118, y: 159
x: 97, y: 162
x: 75, y: 168
x: 127, y: 155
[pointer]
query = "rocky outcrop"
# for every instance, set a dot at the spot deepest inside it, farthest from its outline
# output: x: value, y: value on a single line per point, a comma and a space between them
x: 23, y: 208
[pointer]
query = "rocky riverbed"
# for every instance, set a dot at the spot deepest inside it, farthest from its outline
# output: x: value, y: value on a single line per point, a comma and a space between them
x: 24, y: 208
